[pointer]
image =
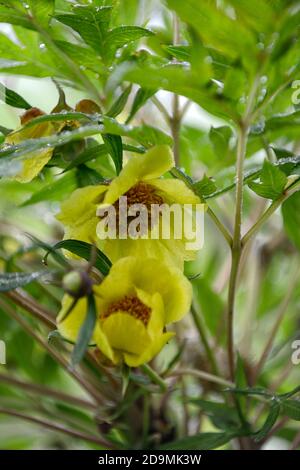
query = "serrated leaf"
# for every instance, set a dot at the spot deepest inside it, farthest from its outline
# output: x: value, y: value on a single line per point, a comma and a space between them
x: 115, y: 149
x: 84, y: 250
x: 91, y: 23
x: 270, y: 421
x: 272, y: 182
x: 122, y: 35
x: 10, y: 281
x: 85, y: 332
x: 203, y: 441
x: 12, y: 98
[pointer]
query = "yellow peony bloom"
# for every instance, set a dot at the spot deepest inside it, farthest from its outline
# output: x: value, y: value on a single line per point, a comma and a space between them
x: 35, y: 161
x: 140, y: 180
x: 135, y: 302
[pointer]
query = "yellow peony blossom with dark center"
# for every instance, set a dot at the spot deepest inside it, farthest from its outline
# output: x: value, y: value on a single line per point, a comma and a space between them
x: 142, y: 182
x: 132, y: 305
x: 140, y: 193
x: 135, y: 303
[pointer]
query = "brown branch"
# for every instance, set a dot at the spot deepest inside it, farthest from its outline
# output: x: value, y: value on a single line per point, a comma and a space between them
x: 57, y: 427
x: 46, y: 391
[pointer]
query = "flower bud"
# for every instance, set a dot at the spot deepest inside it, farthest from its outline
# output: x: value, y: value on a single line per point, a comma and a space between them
x: 77, y: 284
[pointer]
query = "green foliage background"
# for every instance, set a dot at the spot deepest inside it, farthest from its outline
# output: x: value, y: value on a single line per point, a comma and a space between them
x: 195, y: 75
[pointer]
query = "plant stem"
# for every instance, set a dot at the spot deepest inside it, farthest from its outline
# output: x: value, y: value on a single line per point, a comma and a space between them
x: 281, y: 312
x: 236, y: 248
x: 22, y: 299
x: 46, y: 391
x: 220, y: 226
x: 208, y: 349
x: 203, y: 376
x: 175, y: 119
x: 154, y: 377
x: 85, y: 384
x: 57, y: 427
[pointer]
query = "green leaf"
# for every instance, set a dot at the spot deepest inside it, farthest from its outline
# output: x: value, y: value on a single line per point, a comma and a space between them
x: 91, y: 23
x: 63, y: 116
x: 215, y: 27
x: 235, y: 83
x: 54, y: 191
x: 222, y: 416
x: 96, y: 151
x: 291, y: 408
x: 145, y: 135
x: 42, y: 10
x: 120, y: 103
x: 220, y: 137
x: 59, y: 258
x: 122, y: 35
x: 115, y: 149
x: 125, y: 378
x: 182, y: 80
x: 205, y: 187
x: 291, y: 218
x: 84, y: 250
x: 10, y: 281
x: 8, y: 14
x: 141, y: 97
x: 92, y: 152
x: 12, y: 98
x: 179, y: 52
x: 250, y: 391
x: 85, y: 333
x: 82, y: 55
x: 86, y: 176
x: 284, y: 396
x: 272, y: 182
x: 203, y: 441
x: 270, y: 421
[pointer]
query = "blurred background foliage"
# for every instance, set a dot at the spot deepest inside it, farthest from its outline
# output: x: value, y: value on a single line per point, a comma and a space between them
x: 201, y: 65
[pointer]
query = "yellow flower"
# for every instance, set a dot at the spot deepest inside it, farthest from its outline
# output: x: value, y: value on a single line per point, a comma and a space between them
x: 140, y: 180
x: 135, y: 302
x: 35, y: 161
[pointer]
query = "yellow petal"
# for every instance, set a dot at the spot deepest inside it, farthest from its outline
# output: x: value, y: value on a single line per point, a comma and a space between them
x: 151, y: 351
x: 125, y: 333
x: 171, y: 251
x: 174, y: 191
x: 33, y: 162
x: 155, y: 302
x: 152, y: 276
x: 78, y: 213
x: 152, y: 164
x: 69, y: 328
